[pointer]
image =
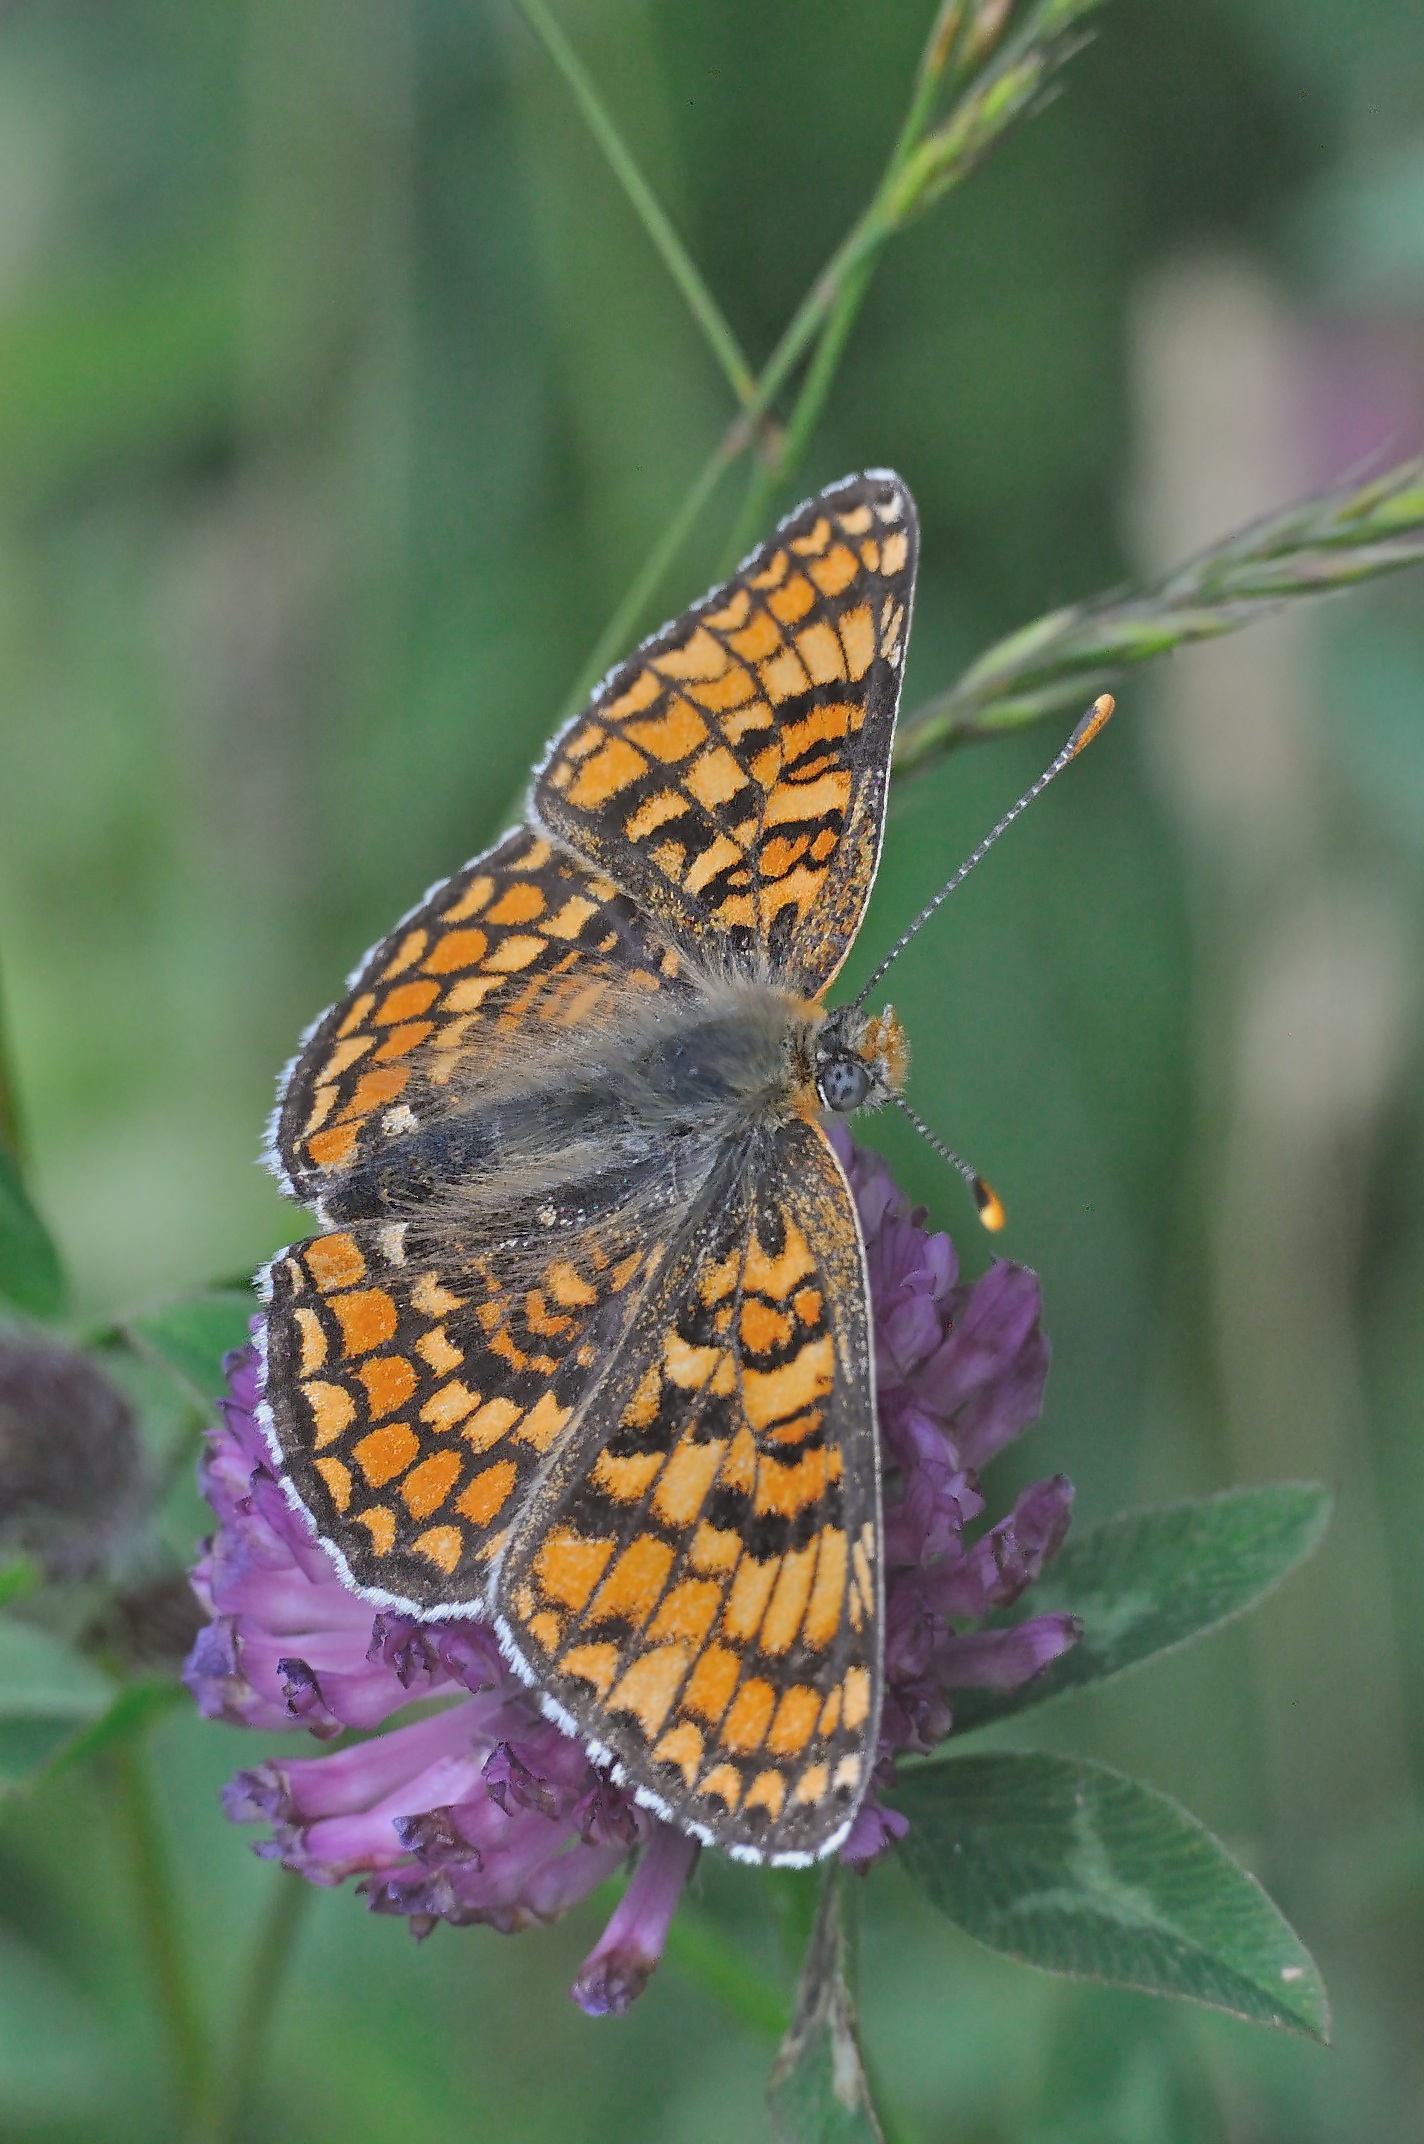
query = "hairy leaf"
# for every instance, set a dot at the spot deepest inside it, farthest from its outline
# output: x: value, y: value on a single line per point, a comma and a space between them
x: 1150, y: 1580
x: 817, y: 2093
x: 1067, y: 1865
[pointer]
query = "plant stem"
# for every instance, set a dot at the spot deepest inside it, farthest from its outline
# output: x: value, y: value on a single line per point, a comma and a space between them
x: 915, y: 172
x: 646, y: 206
x: 852, y: 275
x: 623, y: 625
x: 158, y: 1919
x: 918, y: 170
x: 267, y: 1968
x: 864, y: 237
x: 944, y: 35
x: 1326, y: 543
x: 770, y: 477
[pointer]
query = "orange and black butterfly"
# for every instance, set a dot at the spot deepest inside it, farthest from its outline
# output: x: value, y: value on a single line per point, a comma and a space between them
x: 584, y: 1344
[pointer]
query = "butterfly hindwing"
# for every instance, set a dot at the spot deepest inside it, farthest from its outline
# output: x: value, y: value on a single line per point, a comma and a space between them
x: 415, y: 1386
x: 731, y: 775
x: 695, y: 1580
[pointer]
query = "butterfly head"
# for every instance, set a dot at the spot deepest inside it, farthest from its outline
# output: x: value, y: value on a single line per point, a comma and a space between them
x: 861, y: 1059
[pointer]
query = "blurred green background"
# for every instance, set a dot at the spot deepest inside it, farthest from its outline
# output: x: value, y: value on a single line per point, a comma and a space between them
x: 340, y: 398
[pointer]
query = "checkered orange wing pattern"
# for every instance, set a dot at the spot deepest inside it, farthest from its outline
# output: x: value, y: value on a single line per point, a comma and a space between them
x: 415, y: 1389
x: 523, y: 942
x: 731, y: 775
x: 592, y: 1353
x: 695, y: 1581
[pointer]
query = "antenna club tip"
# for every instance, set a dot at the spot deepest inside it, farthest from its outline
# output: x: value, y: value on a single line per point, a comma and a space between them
x: 990, y: 1205
x: 1095, y: 719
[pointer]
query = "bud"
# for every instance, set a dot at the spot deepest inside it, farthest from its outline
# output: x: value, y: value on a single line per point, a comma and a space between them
x: 69, y: 1458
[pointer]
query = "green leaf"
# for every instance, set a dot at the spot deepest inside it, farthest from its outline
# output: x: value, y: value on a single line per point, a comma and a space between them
x: 43, y: 1678
x: 744, y: 1991
x: 190, y: 1337
x: 31, y: 1276
x: 61, y: 2056
x: 1072, y: 1867
x: 17, y: 1578
x: 136, y: 1706
x: 27, y: 1747
x: 1150, y: 1580
x: 817, y: 2093
x: 47, y: 1692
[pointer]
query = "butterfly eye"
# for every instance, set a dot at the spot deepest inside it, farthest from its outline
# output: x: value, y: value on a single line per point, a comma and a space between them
x: 843, y: 1084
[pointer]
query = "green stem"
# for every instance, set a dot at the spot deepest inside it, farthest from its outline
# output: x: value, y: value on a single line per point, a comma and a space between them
x: 829, y: 310
x: 158, y: 1920
x: 894, y: 201
x: 771, y: 478
x: 861, y: 244
x: 267, y: 1968
x: 646, y: 206
x: 917, y: 170
x: 621, y: 628
x: 941, y: 42
x: 864, y: 239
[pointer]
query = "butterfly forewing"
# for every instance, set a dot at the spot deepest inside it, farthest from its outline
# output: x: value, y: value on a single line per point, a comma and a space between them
x: 522, y: 949
x: 731, y: 775
x: 695, y: 1581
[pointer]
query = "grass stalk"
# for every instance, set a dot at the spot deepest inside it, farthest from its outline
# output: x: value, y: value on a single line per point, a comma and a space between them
x: 645, y: 204
x: 1328, y: 542
x: 267, y: 1969
x: 999, y: 87
x: 173, y: 1977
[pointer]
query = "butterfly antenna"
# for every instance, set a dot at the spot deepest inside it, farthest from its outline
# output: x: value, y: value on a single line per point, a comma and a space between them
x: 1083, y: 735
x: 986, y: 1198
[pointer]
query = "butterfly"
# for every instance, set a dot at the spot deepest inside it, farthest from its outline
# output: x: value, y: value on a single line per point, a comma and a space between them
x: 584, y: 1343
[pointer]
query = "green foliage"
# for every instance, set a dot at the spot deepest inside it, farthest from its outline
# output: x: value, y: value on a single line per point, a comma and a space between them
x: 48, y: 1694
x: 128, y: 1716
x: 725, y: 1973
x: 1065, y: 1864
x: 1147, y: 1581
x: 58, y: 2056
x: 994, y: 89
x: 167, y: 336
x: 17, y: 1578
x: 31, y: 1276
x: 191, y: 1336
x: 818, y: 2093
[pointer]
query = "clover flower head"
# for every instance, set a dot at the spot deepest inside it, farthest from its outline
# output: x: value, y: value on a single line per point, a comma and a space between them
x: 71, y: 1472
x: 484, y: 1810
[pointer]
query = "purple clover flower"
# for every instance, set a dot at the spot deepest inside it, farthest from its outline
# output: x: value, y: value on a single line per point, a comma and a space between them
x: 486, y: 1811
x: 959, y: 1373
